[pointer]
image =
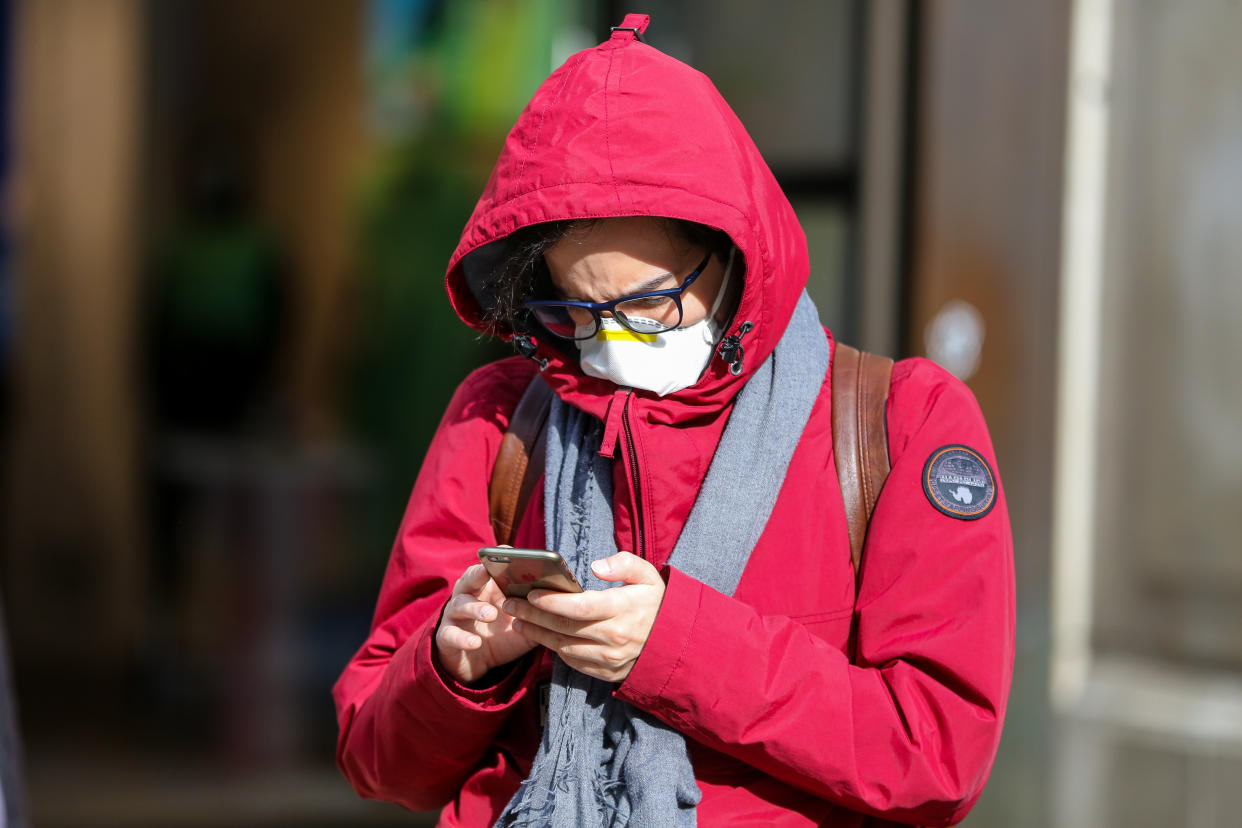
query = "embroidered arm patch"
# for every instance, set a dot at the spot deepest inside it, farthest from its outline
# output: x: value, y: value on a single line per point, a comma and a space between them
x: 959, y: 482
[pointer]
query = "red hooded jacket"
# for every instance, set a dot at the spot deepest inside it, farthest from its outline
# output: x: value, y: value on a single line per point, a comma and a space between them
x: 802, y: 703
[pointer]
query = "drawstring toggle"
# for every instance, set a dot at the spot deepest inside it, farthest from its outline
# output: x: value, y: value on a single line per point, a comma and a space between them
x: 525, y: 346
x: 731, y: 350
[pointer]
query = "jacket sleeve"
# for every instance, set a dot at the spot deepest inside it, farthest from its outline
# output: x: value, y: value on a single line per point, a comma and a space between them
x: 408, y: 733
x: 909, y: 729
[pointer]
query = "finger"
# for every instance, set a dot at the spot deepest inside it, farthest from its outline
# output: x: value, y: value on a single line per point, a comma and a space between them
x: 456, y: 638
x: 491, y: 594
x: 466, y: 607
x: 627, y: 567
x: 595, y: 605
x: 472, y: 580
x: 551, y: 639
x: 581, y: 654
x: 557, y: 623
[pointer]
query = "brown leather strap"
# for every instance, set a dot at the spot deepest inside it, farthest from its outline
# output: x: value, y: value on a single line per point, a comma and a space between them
x: 860, y: 384
x: 522, y: 448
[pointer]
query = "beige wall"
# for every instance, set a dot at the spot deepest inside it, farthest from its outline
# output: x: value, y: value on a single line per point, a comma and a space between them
x: 1147, y: 653
x: 986, y: 218
x: 74, y: 576
x: 88, y: 196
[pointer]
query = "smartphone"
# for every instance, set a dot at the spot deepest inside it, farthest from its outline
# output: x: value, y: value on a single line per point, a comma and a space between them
x: 518, y: 571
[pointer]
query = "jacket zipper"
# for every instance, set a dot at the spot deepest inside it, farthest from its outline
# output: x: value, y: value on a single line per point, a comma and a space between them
x: 641, y: 551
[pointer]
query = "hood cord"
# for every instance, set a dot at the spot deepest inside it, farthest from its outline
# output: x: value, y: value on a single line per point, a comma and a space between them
x: 731, y: 350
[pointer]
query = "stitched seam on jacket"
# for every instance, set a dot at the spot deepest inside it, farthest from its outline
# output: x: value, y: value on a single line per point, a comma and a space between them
x: 607, y: 128
x: 681, y: 655
x: 534, y: 144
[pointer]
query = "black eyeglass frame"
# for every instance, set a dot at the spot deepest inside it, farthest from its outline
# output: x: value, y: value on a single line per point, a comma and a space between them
x: 596, y: 308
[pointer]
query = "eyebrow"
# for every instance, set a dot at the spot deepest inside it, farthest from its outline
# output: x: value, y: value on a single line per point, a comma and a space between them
x: 642, y: 287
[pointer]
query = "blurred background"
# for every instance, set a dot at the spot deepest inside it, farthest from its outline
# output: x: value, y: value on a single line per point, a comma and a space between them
x: 224, y: 345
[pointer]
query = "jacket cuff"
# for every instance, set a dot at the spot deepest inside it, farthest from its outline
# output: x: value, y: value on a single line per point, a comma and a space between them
x: 666, y: 645
x: 501, y: 688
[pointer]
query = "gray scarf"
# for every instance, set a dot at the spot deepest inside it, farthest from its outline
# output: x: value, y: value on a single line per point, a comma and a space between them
x: 603, y: 762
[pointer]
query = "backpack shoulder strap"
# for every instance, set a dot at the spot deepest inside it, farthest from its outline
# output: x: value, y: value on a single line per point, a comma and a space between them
x: 519, y: 463
x: 860, y: 384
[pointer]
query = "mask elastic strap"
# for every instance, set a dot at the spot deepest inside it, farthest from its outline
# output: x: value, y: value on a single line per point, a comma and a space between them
x: 724, y: 285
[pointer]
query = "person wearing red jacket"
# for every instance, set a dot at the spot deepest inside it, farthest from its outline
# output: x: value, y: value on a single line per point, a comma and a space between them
x: 724, y: 667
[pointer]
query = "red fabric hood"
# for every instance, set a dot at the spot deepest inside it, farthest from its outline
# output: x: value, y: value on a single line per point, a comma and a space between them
x: 622, y: 130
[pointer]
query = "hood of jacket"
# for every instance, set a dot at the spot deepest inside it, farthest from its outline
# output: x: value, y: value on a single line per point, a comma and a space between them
x: 625, y: 130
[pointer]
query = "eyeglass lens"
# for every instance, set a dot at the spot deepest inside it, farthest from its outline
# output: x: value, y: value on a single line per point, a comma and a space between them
x: 647, y: 315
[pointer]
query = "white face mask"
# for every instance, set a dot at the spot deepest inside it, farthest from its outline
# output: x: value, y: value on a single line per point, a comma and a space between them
x: 662, y: 363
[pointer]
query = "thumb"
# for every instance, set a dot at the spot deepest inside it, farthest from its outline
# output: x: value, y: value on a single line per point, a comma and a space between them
x: 626, y: 567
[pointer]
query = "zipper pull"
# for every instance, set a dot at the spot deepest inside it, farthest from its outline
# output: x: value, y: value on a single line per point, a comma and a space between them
x: 731, y: 350
x: 612, y: 423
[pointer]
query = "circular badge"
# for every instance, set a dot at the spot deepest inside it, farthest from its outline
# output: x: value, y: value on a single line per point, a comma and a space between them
x: 959, y: 482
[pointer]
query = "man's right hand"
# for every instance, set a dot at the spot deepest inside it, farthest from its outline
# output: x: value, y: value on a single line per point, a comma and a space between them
x: 474, y: 635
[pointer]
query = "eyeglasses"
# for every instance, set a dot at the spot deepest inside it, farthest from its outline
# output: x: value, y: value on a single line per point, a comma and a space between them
x: 646, y: 313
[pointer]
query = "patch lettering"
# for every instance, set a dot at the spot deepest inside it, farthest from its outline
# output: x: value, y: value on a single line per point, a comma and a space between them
x: 959, y: 482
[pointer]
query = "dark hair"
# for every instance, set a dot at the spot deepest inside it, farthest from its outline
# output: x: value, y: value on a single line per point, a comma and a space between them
x: 523, y: 273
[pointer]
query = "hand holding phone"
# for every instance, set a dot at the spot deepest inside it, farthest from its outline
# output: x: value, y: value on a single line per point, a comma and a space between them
x: 474, y: 636
x: 518, y: 571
